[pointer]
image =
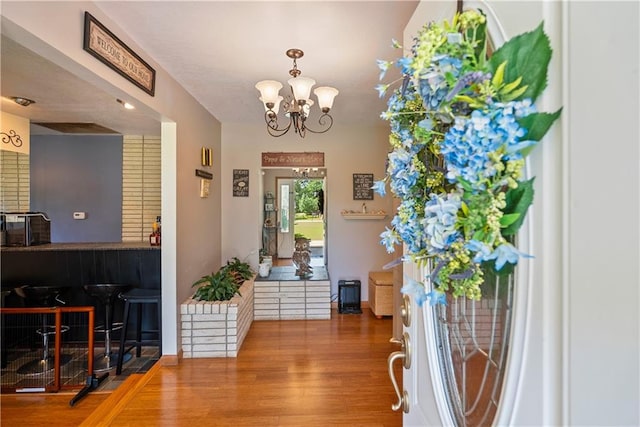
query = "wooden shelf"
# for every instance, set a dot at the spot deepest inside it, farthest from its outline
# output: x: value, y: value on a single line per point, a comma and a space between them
x: 347, y: 215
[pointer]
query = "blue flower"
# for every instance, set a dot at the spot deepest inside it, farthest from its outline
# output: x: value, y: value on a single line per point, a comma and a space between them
x: 481, y: 249
x: 416, y: 290
x: 389, y: 239
x: 382, y: 89
x: 380, y: 187
x: 437, y: 297
x: 404, y: 64
x: 383, y: 66
x: 504, y: 253
x: 440, y: 216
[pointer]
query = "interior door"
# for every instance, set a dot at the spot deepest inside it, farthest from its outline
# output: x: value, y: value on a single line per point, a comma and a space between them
x: 286, y: 216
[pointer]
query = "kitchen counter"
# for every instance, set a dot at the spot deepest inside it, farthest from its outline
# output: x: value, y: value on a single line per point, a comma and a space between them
x: 77, y: 264
x: 82, y: 246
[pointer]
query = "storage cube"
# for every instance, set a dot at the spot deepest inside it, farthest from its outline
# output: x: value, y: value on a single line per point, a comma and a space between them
x: 381, y: 293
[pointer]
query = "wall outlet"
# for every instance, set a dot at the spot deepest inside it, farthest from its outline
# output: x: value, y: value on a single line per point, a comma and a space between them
x: 79, y: 215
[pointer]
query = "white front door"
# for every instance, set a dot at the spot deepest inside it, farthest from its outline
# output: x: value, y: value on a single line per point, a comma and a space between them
x: 527, y: 378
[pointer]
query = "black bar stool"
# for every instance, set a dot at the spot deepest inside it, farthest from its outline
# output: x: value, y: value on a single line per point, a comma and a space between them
x: 139, y: 297
x: 3, y: 345
x: 106, y: 294
x: 43, y: 296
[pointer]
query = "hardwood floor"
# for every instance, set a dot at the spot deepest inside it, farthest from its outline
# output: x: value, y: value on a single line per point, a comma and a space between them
x: 288, y: 373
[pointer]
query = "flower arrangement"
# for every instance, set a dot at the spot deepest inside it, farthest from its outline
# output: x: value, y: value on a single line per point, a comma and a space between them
x: 462, y: 123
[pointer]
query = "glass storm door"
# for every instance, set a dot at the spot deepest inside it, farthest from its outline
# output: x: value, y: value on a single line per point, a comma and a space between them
x: 286, y: 217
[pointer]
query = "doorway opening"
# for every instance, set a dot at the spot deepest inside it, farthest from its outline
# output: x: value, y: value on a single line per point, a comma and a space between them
x: 294, y: 206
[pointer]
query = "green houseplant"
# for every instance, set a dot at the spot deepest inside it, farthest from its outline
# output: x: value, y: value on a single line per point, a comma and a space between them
x: 225, y: 283
x: 219, y: 286
x: 240, y: 270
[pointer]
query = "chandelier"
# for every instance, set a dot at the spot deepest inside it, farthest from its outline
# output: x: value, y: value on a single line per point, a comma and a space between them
x: 296, y: 106
x: 306, y: 173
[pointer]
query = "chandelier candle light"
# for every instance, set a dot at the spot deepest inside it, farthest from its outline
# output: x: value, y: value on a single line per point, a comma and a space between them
x: 297, y: 106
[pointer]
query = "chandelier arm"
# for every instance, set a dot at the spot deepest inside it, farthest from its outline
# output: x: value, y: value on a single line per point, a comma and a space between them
x: 271, y: 119
x: 324, y: 120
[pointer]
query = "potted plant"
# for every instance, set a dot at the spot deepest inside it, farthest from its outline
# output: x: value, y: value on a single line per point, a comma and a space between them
x: 240, y: 270
x: 216, y: 319
x: 219, y: 286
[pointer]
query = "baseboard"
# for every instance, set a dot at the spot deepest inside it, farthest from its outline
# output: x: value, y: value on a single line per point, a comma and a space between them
x: 171, y: 359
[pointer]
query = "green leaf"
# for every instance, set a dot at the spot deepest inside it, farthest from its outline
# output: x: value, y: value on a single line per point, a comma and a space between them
x: 527, y: 55
x: 508, y: 219
x: 464, y: 208
x: 498, y: 76
x: 537, y: 125
x: 515, y: 95
x: 481, y: 39
x: 465, y: 185
x: 478, y: 235
x: 506, y: 89
x: 464, y: 98
x: 518, y: 201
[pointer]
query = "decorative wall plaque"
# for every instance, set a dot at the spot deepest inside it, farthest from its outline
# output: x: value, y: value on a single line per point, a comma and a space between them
x: 241, y: 183
x: 362, y: 183
x: 110, y: 50
x: 293, y: 159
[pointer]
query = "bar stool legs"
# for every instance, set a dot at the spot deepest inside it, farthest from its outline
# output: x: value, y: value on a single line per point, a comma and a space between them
x: 106, y: 293
x: 139, y: 297
x: 44, y: 296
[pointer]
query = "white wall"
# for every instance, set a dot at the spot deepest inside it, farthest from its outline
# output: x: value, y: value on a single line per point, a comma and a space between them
x: 353, y: 246
x: 190, y: 225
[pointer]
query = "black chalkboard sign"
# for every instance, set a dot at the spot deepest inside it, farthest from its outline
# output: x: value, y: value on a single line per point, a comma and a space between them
x: 362, y: 183
x: 241, y: 183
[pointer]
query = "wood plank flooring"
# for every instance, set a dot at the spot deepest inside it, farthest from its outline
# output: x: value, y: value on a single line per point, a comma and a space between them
x: 288, y: 373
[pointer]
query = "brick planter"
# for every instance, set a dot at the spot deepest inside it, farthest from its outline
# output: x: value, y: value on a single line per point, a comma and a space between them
x: 216, y: 328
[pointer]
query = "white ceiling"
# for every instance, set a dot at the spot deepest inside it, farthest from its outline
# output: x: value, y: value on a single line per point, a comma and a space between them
x: 218, y: 50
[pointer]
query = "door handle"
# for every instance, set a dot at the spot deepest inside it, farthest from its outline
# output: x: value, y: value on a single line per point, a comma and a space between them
x: 404, y: 353
x: 405, y: 310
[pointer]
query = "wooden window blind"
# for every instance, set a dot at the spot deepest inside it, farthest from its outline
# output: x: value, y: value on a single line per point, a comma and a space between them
x: 140, y: 186
x: 14, y: 175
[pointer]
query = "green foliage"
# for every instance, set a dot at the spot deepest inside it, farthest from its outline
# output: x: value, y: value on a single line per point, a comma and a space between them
x: 537, y: 124
x: 220, y: 286
x: 224, y: 284
x: 518, y: 201
x: 240, y: 270
x: 526, y: 56
x: 306, y: 191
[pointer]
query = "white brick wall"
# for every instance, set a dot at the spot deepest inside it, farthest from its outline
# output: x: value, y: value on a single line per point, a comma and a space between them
x: 309, y: 299
x: 217, y: 328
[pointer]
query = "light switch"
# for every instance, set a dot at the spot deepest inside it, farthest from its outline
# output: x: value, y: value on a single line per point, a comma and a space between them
x: 79, y: 215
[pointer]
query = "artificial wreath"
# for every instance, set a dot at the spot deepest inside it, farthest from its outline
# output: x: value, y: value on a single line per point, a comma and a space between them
x: 462, y: 123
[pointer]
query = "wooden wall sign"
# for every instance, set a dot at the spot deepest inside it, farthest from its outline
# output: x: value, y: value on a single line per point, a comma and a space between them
x: 110, y: 50
x: 293, y: 159
x: 362, y: 183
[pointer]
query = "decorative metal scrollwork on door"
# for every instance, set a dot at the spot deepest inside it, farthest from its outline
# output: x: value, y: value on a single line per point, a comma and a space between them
x: 473, y: 338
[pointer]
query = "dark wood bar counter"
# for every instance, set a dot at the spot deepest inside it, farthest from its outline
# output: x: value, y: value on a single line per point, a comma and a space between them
x: 74, y: 265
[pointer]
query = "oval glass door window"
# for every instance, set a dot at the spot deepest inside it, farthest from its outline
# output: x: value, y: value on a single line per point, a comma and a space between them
x: 473, y: 344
